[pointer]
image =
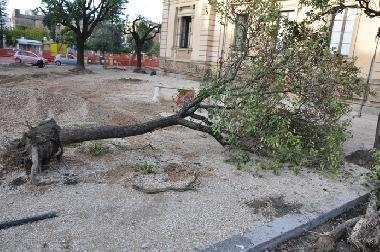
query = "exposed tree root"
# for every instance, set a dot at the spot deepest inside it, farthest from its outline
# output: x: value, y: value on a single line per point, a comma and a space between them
x: 364, y: 235
x: 17, y: 222
x: 191, y: 185
x: 124, y: 148
x: 327, y: 241
x: 35, y: 148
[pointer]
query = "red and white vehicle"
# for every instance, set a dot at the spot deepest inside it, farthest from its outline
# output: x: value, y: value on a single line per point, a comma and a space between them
x: 28, y: 57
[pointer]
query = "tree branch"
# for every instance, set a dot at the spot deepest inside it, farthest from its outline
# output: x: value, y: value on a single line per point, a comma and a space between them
x: 202, y: 128
x: 202, y: 119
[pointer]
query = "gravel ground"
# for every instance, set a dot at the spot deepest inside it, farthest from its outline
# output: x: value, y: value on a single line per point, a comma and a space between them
x: 97, y: 206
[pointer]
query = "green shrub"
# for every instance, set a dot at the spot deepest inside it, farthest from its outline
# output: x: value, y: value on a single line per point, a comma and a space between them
x: 147, y: 168
x: 97, y: 148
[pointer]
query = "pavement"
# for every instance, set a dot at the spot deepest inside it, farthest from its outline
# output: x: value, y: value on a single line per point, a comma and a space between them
x: 269, y: 235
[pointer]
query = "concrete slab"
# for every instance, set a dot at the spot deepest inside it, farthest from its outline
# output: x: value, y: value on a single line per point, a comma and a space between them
x: 270, y: 235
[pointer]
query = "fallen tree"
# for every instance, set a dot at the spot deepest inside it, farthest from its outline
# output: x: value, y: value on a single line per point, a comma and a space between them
x: 45, y: 141
x: 280, y: 94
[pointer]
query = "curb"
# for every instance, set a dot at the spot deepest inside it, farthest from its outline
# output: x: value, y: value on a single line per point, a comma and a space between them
x: 270, y: 235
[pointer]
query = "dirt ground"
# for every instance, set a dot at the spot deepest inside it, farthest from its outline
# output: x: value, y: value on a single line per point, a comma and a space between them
x: 98, y: 207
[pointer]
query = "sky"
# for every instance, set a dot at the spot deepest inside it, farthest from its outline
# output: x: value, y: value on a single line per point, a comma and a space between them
x: 152, y: 9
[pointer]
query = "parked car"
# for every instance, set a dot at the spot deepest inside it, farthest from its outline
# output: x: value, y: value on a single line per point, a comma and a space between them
x: 67, y: 59
x: 28, y: 57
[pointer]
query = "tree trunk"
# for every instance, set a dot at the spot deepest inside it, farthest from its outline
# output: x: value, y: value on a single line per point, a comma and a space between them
x: 69, y: 136
x: 80, y: 52
x: 139, y: 56
x: 1, y: 40
x: 1, y: 33
x: 2, y: 25
x: 377, y: 135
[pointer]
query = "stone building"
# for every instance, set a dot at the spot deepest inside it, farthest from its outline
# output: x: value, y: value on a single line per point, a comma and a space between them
x: 191, y: 37
x: 27, y: 20
x: 193, y: 40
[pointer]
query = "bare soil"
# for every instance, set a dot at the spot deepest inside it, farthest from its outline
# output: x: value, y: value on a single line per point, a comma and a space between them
x: 98, y: 209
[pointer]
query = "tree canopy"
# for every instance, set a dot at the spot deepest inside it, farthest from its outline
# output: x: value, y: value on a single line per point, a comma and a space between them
x: 30, y: 33
x: 82, y: 17
x: 107, y: 37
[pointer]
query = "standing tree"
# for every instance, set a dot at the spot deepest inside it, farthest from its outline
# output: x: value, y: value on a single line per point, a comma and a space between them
x: 81, y: 17
x: 142, y: 31
x: 3, y: 9
x: 106, y: 38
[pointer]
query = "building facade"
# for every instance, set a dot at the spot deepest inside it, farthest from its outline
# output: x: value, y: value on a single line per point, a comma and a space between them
x: 193, y: 39
x: 27, y: 20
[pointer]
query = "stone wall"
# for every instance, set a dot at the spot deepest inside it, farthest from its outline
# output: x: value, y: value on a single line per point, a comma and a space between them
x: 191, y: 68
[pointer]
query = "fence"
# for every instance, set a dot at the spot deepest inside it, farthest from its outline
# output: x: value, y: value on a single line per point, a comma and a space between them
x: 92, y: 58
x: 9, y: 52
x: 122, y: 60
x: 6, y: 52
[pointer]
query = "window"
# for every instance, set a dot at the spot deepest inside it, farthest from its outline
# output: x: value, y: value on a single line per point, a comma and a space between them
x: 342, y: 30
x: 240, y: 31
x: 285, y: 16
x: 184, y: 41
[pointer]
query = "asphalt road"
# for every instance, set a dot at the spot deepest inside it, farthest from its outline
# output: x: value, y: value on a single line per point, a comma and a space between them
x: 6, y: 60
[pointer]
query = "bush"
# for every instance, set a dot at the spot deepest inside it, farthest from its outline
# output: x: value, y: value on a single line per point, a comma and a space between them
x: 97, y: 148
x: 147, y: 168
